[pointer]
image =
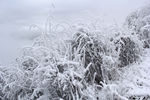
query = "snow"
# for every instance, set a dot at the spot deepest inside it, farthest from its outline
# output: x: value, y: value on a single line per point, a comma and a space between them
x: 59, y: 65
x: 135, y: 79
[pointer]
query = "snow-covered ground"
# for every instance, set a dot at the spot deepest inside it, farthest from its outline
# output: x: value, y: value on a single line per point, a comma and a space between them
x: 135, y: 79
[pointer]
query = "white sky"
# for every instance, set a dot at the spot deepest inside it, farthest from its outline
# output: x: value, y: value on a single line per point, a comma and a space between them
x: 17, y: 15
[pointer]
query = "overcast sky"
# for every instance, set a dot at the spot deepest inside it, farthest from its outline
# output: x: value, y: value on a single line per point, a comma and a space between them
x: 17, y: 15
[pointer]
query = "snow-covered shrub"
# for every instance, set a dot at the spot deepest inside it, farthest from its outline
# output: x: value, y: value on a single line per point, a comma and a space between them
x: 2, y: 81
x: 129, y: 51
x: 138, y: 22
x: 39, y: 75
x: 29, y: 64
x: 16, y: 83
x: 90, y: 51
x: 123, y: 49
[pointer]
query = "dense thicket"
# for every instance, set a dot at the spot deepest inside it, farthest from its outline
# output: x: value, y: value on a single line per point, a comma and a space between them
x: 139, y: 23
x: 85, y: 66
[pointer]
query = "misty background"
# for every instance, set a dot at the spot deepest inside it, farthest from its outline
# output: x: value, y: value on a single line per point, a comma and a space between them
x: 16, y: 16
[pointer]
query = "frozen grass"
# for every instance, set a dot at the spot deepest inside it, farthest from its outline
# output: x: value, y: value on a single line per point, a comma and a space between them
x: 79, y: 63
